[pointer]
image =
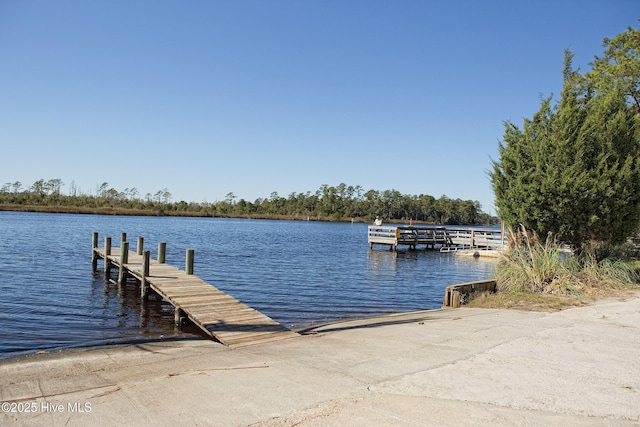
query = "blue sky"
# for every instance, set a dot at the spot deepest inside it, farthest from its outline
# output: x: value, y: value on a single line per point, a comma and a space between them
x: 204, y: 98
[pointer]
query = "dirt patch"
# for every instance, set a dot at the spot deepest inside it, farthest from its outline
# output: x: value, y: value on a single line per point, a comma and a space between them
x: 548, y: 302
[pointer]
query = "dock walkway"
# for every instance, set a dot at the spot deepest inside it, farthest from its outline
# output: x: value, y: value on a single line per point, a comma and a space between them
x: 218, y: 314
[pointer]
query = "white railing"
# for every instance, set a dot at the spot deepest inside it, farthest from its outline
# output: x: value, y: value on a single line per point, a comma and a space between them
x: 383, y: 235
x: 450, y: 238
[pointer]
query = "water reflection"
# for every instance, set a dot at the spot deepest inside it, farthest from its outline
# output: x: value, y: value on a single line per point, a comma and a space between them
x: 296, y: 272
x: 381, y: 261
x: 152, y: 316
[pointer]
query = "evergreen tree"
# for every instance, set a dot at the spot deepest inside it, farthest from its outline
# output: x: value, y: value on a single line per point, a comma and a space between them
x: 619, y: 66
x: 574, y: 169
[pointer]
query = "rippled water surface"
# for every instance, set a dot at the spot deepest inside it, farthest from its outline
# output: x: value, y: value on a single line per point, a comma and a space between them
x: 296, y: 272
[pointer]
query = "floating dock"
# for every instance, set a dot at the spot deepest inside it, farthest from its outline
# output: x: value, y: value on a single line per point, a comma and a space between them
x: 445, y: 239
x: 219, y: 315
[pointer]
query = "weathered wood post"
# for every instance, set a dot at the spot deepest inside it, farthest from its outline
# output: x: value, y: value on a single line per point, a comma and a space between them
x: 447, y: 298
x: 162, y: 252
x: 107, y: 253
x: 455, y: 303
x: 144, y: 315
x: 140, y: 246
x: 124, y: 259
x: 144, y: 285
x: 94, y: 256
x: 178, y: 316
x: 123, y: 238
x: 189, y: 262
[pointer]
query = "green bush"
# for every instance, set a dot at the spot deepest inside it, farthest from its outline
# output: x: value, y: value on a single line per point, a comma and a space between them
x: 532, y: 266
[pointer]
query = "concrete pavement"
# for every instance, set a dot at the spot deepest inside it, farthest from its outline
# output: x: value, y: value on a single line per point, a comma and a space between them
x: 577, y: 367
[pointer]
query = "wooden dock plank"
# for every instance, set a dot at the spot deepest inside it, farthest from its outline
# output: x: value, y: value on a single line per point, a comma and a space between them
x: 220, y: 315
x: 239, y: 339
x: 238, y: 332
x: 220, y: 308
x: 246, y: 318
x: 195, y: 293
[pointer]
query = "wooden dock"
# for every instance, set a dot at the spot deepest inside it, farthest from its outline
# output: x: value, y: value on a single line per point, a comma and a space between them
x: 219, y: 315
x: 445, y: 239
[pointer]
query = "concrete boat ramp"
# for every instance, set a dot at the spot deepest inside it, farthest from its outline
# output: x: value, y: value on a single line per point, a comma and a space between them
x: 449, y: 367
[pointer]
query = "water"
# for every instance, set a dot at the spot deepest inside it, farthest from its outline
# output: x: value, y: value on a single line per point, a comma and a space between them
x: 296, y: 272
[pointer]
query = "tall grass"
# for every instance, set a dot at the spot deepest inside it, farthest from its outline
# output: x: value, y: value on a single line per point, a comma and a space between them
x: 533, y: 266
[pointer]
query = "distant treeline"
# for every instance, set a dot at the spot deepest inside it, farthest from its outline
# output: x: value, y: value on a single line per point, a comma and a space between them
x: 342, y: 202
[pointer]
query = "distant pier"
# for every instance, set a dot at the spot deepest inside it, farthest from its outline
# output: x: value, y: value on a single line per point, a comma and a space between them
x: 445, y: 239
x: 218, y: 314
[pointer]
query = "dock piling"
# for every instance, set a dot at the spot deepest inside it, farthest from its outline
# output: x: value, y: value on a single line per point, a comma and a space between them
x: 107, y: 251
x: 178, y: 317
x: 144, y: 285
x: 162, y: 252
x: 140, y: 245
x: 189, y: 262
x: 94, y: 256
x: 124, y: 259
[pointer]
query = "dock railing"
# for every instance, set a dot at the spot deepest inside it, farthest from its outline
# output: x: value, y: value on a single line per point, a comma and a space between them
x: 476, y: 237
x: 432, y: 237
x: 383, y: 235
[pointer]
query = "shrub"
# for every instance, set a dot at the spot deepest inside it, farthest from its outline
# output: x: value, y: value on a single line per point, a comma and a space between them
x: 532, y: 266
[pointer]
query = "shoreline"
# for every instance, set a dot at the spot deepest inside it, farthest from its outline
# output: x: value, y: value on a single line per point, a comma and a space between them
x: 49, y: 237
x: 79, y: 210
x: 194, y: 336
x: 93, y: 344
x: 436, y: 367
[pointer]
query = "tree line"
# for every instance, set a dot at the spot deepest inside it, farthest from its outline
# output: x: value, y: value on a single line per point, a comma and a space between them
x: 341, y: 202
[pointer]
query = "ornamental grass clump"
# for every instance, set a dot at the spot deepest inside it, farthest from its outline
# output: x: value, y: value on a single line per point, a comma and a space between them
x: 594, y: 274
x: 531, y: 266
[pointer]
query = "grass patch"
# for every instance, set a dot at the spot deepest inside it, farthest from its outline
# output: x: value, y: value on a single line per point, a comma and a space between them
x: 533, y: 275
x: 532, y: 266
x: 529, y: 301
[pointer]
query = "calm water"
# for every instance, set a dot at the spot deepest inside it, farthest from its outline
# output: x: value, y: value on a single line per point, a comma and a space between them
x: 296, y: 272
